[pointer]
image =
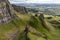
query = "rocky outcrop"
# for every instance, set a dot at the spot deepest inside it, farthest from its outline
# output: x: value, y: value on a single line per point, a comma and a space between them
x: 6, y: 11
x: 20, y: 9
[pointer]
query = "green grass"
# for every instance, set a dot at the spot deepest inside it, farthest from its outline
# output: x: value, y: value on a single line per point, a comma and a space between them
x: 20, y: 24
x: 36, y: 23
x: 8, y: 27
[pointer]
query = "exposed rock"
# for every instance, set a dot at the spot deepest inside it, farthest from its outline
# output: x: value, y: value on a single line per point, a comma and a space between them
x: 6, y: 11
x: 12, y: 34
x: 20, y: 9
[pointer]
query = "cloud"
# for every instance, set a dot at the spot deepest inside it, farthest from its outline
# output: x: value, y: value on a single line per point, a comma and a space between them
x: 17, y: 1
x: 35, y: 1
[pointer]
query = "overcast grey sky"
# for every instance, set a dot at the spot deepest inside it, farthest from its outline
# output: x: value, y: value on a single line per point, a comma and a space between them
x: 35, y: 1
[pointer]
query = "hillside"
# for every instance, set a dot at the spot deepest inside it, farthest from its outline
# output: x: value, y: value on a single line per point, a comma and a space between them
x: 6, y: 11
x: 16, y: 29
x: 20, y: 9
x: 17, y: 25
x: 35, y: 29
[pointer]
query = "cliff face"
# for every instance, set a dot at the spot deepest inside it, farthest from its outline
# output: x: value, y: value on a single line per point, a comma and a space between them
x: 6, y: 11
x: 20, y: 9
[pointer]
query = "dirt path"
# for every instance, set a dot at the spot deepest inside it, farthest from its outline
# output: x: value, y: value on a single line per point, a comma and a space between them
x: 10, y: 35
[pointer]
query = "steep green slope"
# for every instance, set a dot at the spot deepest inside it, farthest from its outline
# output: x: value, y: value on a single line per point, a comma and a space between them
x: 7, y: 28
x: 35, y: 23
x: 16, y: 29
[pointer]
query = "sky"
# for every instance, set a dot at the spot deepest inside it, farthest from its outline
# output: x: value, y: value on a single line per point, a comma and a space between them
x: 35, y: 1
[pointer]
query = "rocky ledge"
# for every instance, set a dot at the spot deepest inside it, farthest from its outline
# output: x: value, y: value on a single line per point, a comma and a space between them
x: 6, y: 11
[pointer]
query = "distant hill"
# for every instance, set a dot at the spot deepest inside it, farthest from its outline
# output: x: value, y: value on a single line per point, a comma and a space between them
x: 38, y: 5
x: 51, y: 9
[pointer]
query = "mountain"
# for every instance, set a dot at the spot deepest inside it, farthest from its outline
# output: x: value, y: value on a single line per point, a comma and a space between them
x: 20, y: 9
x: 6, y: 11
x: 51, y: 9
x: 25, y: 26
